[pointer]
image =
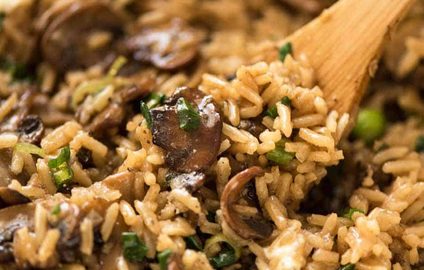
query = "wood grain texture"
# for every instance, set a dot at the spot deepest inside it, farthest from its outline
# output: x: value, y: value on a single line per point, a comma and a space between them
x: 344, y: 45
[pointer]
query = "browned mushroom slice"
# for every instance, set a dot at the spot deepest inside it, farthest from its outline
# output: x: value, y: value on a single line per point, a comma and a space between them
x: 188, y: 151
x: 71, y: 39
x: 167, y: 47
x: 12, y: 219
x: 110, y: 117
x: 31, y: 128
x: 248, y: 228
x: 308, y: 6
x: 188, y: 181
x: 253, y: 126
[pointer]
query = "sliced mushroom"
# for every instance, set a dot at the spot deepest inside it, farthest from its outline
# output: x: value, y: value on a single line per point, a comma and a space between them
x: 123, y: 182
x: 188, y: 151
x: 253, y: 126
x: 308, y: 6
x: 31, y: 129
x: 166, y: 47
x: 247, y: 228
x: 12, y: 219
x: 69, y: 39
x: 110, y: 117
x: 188, y: 181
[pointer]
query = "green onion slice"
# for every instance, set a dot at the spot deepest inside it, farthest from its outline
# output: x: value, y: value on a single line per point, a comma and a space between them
x: 146, y: 114
x: 188, y: 117
x: 134, y: 249
x: 285, y: 50
x: 279, y: 155
x: 56, y: 210
x: 349, y: 212
x: 229, y: 253
x: 163, y: 259
x: 347, y: 267
x: 154, y: 99
x: 193, y: 242
x: 60, y: 169
x: 29, y: 148
x: 116, y: 66
x: 419, y: 144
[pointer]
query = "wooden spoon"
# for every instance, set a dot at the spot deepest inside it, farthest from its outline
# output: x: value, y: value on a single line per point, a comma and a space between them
x: 344, y: 44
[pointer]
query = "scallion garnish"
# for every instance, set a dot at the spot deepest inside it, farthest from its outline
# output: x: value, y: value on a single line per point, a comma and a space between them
x: 285, y: 50
x: 229, y: 254
x: 193, y: 242
x: 2, y: 17
x: 146, y: 114
x: 419, y: 144
x: 163, y: 259
x: 279, y: 155
x: 29, y: 148
x: 347, y: 267
x: 349, y: 212
x: 154, y: 99
x: 134, y: 249
x: 272, y: 111
x: 116, y: 66
x: 60, y: 169
x: 56, y: 210
x: 188, y: 117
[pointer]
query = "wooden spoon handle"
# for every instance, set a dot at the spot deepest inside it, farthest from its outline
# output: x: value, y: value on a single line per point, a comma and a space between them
x: 344, y: 44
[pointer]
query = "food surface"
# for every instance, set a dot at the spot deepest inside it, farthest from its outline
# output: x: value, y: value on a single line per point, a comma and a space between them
x: 172, y: 135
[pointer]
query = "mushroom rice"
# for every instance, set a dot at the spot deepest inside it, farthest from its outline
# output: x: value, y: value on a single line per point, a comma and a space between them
x: 171, y: 135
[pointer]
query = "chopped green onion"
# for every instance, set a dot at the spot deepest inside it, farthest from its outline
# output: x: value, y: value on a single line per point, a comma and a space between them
x: 116, y: 66
x: 286, y: 101
x: 188, y: 117
x: 349, y: 212
x: 370, y: 125
x: 134, y: 249
x: 279, y: 155
x: 419, y: 144
x: 60, y: 169
x: 88, y: 88
x: 2, y: 17
x: 56, y: 210
x: 193, y: 242
x: 29, y: 148
x: 163, y: 259
x: 272, y: 111
x: 17, y: 71
x: 229, y: 254
x: 154, y: 99
x: 146, y: 113
x: 285, y: 50
x: 347, y: 267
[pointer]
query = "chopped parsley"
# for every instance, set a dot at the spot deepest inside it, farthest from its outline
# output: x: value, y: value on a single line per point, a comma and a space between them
x: 193, y: 242
x: 154, y: 99
x: 188, y: 117
x: 272, y: 111
x: 285, y: 50
x: 146, y: 113
x: 163, y: 258
x: 134, y: 249
x: 279, y: 155
x: 347, y: 267
x: 56, y: 210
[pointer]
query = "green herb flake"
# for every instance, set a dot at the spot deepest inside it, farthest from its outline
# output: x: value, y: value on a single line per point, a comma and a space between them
x: 188, y: 117
x: 285, y: 50
x: 272, y: 110
x: 279, y: 155
x: 60, y: 169
x: 134, y: 249
x: 286, y: 101
x: 56, y: 210
x: 419, y: 144
x: 224, y: 258
x: 163, y: 258
x: 29, y: 148
x: 154, y: 99
x: 193, y: 242
x: 2, y: 17
x: 349, y: 212
x: 347, y: 267
x: 146, y: 113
